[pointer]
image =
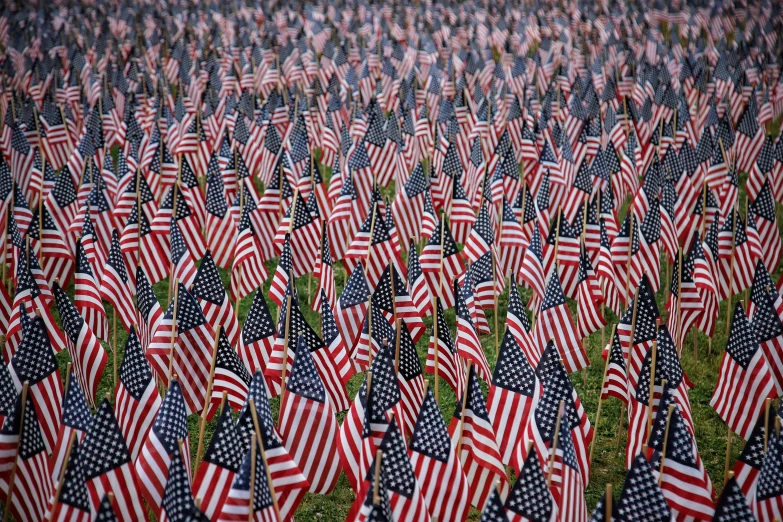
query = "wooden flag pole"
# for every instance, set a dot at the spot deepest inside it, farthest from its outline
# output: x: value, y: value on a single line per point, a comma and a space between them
x: 653, y: 362
x: 680, y: 341
x: 731, y: 269
x: 665, y: 442
x: 376, y: 486
x: 554, y: 444
x: 207, y: 399
x: 61, y: 477
x: 495, y: 288
x: 600, y: 400
x: 767, y: 406
x: 728, y: 455
x: 435, y: 344
x: 464, y: 407
x: 12, y: 479
x: 630, y: 254
x: 257, y: 435
x: 286, y: 340
x: 608, y: 505
x: 173, y: 332
x: 251, y: 498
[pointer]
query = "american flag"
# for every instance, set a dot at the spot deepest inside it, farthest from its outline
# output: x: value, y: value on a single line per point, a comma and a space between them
x: 468, y: 344
x: 88, y: 356
x: 222, y: 458
x: 513, y: 395
x: 141, y: 247
x: 75, y: 421
x: 150, y: 311
x: 554, y: 323
x: 641, y: 495
x: 182, y: 265
x: 433, y: 456
x: 231, y: 377
x: 471, y: 432
x: 441, y: 346
x: 441, y: 262
x: 21, y: 436
x: 352, y: 306
x: 185, y: 326
x: 405, y: 497
x: 745, y: 380
x: 248, y: 271
x: 763, y: 210
x: 282, y: 273
x: 308, y: 424
x: 767, y: 502
x: 161, y: 446
x: 748, y: 465
x: 615, y: 383
x: 530, y: 500
x: 494, y: 511
x: 108, y: 466
x: 212, y: 296
x: 733, y: 504
x: 136, y: 398
x: 589, y: 318
x: 220, y: 229
x: 324, y: 273
x: 178, y: 502
x: 409, y: 205
x: 34, y: 363
x: 72, y: 502
x: 258, y: 335
x: 531, y: 271
x: 86, y: 296
x: 287, y: 480
x: 541, y: 427
x: 683, y: 479
x: 566, y: 478
x: 417, y: 284
x: 373, y: 244
x: 305, y: 235
x: 253, y: 476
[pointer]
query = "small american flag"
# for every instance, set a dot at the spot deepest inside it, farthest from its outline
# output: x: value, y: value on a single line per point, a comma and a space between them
x: 480, y: 456
x: 88, y: 356
x: 178, y: 502
x: 108, y: 466
x: 75, y: 420
x: 161, y: 447
x: 745, y: 380
x: 308, y: 424
x: 212, y: 296
x: 219, y: 466
x: 513, y: 395
x: 530, y: 500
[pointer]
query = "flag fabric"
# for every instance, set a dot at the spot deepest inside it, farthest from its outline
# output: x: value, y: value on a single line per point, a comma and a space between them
x: 745, y: 380
x: 308, y: 424
x: 86, y: 296
x: 136, y: 398
x: 471, y: 431
x: 72, y: 502
x: 258, y: 335
x: 161, y: 447
x: 208, y: 289
x: 432, y: 456
x: 530, y: 499
x: 554, y: 323
x: 513, y: 395
x: 32, y: 486
x: 35, y: 363
x: 115, y: 287
x: 178, y: 501
x: 221, y: 461
x: 108, y: 466
x: 75, y: 421
x: 732, y: 504
x: 767, y: 503
x: 88, y: 356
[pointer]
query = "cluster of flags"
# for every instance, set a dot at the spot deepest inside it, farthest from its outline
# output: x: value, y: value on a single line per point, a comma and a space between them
x: 588, y: 153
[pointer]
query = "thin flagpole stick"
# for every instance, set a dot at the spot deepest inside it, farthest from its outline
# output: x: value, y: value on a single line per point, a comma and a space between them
x: 554, y: 445
x: 12, y: 479
x: 464, y: 407
x: 257, y: 433
x: 600, y: 399
x: 251, y: 498
x: 608, y: 506
x: 680, y: 341
x: 435, y: 343
x: 59, y: 485
x: 207, y: 399
x: 731, y: 270
x: 653, y: 361
x: 728, y: 456
x: 665, y: 442
x: 376, y: 496
x: 767, y: 406
x: 173, y: 332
